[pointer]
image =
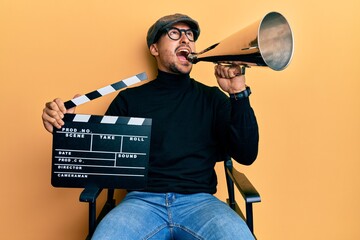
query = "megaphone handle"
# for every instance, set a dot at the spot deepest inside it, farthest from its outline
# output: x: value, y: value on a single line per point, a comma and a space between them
x: 242, y: 67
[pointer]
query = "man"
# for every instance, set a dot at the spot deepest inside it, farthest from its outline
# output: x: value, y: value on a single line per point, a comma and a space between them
x: 193, y: 127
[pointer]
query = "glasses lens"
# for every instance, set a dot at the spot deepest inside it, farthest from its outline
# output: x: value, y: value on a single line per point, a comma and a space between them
x: 174, y: 33
x: 190, y: 34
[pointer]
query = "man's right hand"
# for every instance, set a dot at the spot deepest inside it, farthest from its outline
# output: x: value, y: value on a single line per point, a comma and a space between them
x: 53, y: 114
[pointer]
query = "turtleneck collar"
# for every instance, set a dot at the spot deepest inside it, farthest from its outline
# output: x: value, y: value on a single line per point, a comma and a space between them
x: 170, y: 80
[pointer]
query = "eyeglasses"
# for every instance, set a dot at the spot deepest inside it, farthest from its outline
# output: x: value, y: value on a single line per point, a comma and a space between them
x: 176, y: 33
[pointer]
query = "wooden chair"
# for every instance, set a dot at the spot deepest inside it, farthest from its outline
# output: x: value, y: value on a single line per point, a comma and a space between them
x: 234, y: 179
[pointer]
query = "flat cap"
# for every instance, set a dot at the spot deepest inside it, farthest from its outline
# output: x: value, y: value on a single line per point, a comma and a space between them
x: 167, y: 21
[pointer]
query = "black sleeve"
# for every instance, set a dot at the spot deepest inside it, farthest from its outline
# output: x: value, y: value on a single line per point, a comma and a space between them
x: 243, y: 132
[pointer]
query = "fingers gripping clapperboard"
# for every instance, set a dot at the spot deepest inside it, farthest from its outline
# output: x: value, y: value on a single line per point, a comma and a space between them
x: 101, y: 151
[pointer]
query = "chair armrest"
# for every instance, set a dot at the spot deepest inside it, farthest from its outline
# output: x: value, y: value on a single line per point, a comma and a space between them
x: 247, y: 190
x: 90, y: 194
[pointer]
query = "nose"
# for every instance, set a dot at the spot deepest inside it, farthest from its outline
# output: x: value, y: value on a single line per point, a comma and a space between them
x: 184, y: 38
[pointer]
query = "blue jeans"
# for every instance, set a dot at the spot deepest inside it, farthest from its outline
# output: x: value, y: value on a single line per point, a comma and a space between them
x: 165, y: 216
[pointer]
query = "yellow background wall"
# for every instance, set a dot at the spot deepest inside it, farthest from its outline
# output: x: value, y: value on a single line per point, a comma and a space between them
x: 309, y: 115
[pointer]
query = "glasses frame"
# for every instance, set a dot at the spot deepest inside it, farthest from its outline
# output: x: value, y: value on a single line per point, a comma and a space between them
x: 185, y: 31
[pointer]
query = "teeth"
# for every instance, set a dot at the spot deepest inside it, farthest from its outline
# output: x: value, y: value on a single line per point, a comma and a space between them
x: 183, y: 52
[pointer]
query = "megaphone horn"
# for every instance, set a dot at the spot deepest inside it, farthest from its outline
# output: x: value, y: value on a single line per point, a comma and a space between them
x: 267, y: 42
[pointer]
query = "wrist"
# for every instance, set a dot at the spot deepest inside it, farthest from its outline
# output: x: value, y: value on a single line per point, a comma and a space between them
x: 243, y: 94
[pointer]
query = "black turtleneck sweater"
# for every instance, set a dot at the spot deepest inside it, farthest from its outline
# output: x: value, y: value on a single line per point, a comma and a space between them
x: 193, y: 126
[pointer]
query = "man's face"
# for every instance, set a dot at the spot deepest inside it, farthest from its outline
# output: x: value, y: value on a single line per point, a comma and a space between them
x: 171, y: 54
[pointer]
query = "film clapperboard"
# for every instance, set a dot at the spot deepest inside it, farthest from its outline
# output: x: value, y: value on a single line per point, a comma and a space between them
x: 101, y: 151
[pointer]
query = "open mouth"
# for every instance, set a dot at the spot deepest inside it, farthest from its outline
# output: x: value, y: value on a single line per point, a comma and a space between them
x: 182, y: 54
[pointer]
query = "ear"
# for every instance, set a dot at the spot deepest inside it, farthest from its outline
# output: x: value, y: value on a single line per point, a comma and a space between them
x: 154, y: 49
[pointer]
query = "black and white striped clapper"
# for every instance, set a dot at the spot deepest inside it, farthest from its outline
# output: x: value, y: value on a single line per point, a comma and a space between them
x: 105, y: 90
x: 101, y: 151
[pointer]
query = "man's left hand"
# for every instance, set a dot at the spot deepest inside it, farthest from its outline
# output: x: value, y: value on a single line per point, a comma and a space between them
x: 229, y: 78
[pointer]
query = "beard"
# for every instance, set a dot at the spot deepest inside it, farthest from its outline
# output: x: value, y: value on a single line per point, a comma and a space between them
x: 175, y: 69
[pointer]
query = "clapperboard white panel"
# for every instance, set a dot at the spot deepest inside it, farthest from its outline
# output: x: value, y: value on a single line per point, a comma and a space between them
x: 102, y: 151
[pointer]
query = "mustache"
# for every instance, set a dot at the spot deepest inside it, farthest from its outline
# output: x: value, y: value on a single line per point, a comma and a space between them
x: 182, y: 46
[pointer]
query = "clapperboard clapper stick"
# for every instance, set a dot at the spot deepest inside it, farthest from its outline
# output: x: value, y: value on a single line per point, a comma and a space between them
x: 101, y: 151
x: 105, y: 90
